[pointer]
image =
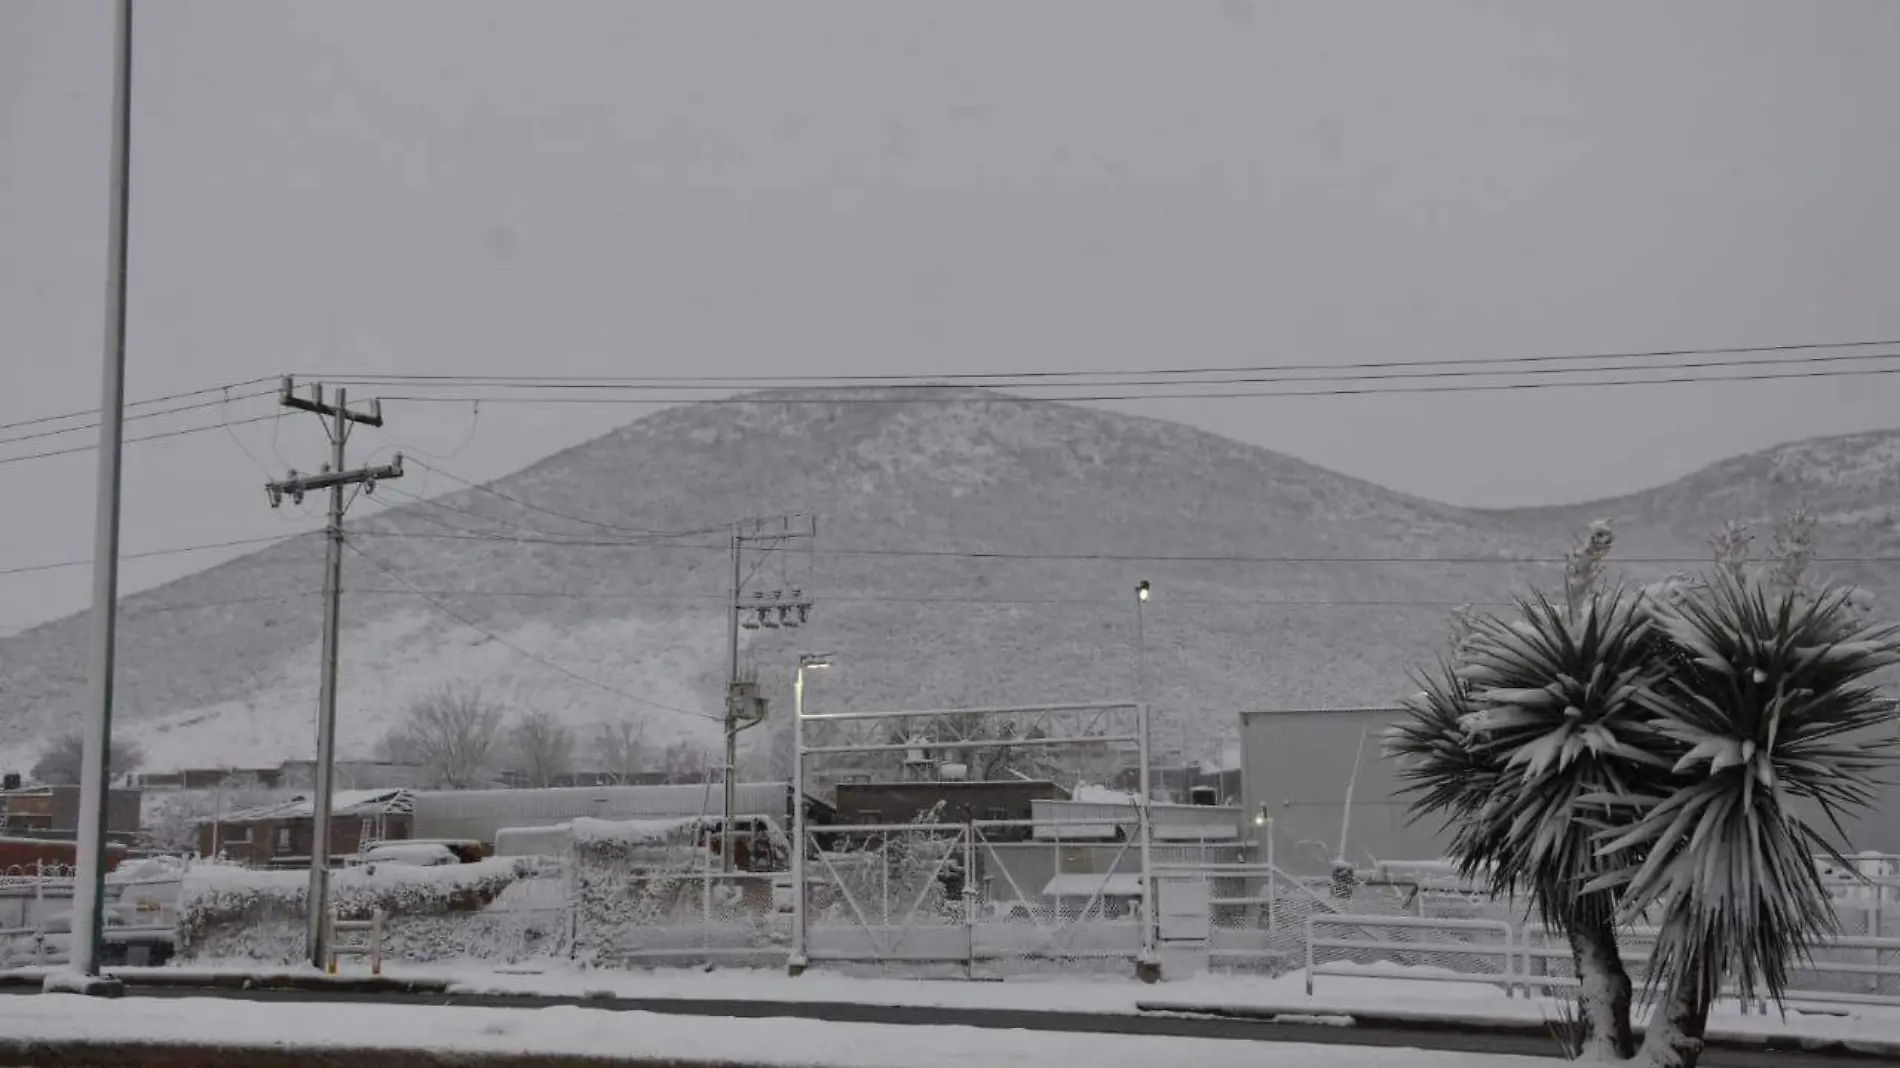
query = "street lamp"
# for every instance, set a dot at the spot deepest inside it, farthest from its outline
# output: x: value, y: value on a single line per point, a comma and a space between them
x: 795, y: 963
x: 1142, y: 590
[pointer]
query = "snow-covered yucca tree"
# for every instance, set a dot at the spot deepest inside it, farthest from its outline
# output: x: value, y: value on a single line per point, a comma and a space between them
x: 1765, y: 702
x: 1526, y: 745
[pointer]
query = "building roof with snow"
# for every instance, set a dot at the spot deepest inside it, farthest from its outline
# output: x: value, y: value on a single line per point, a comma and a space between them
x: 479, y: 814
x: 342, y: 803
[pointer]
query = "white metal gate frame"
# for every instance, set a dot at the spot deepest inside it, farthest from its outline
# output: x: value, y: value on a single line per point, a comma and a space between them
x: 1078, y: 717
x: 956, y: 837
x: 1059, y: 933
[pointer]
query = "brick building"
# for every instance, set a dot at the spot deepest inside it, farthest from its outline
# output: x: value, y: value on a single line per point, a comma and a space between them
x: 53, y: 812
x: 953, y: 801
x: 284, y: 833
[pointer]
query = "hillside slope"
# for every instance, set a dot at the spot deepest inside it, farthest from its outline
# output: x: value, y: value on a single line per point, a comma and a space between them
x: 220, y: 667
x: 1850, y: 483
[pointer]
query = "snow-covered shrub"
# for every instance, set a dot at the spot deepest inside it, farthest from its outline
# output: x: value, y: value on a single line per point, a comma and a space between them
x: 434, y: 912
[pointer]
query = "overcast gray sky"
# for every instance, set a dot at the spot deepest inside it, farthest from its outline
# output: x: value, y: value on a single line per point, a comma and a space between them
x: 559, y: 186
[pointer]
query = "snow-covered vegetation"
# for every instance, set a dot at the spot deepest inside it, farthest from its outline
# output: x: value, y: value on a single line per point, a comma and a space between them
x: 435, y: 913
x: 1676, y: 755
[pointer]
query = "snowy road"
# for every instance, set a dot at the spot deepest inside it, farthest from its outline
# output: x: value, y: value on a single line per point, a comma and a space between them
x: 1397, y: 1046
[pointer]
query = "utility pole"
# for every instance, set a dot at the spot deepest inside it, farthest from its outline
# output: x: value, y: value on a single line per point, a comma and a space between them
x: 784, y: 608
x: 88, y: 915
x: 338, y: 421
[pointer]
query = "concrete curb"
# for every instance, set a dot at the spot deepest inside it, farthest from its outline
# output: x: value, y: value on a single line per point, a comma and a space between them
x: 352, y: 984
x: 82, y: 1053
x: 1438, y: 1020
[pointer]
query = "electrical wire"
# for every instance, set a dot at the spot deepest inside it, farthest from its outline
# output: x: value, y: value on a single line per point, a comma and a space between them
x: 82, y: 413
x: 1226, y: 380
x: 581, y: 520
x: 806, y: 395
x: 958, y: 599
x: 139, y: 610
x: 1175, y: 558
x: 221, y: 425
x: 217, y: 403
x: 371, y: 378
x: 175, y: 550
x: 433, y: 602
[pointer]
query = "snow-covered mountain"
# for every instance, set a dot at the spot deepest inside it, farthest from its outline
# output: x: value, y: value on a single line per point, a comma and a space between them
x: 564, y: 605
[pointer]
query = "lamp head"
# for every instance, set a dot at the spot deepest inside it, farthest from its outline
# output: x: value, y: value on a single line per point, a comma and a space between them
x: 1141, y: 590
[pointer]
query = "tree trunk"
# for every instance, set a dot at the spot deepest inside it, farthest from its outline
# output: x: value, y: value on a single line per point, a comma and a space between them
x: 1681, y: 1018
x: 1604, y: 993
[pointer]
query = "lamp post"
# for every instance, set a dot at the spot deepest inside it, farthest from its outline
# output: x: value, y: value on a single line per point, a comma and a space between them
x: 795, y: 963
x: 1142, y: 590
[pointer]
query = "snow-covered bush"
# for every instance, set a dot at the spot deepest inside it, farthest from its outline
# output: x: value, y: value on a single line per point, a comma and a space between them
x: 434, y: 912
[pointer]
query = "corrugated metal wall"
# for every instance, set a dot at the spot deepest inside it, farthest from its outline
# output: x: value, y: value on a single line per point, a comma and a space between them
x: 1298, y: 765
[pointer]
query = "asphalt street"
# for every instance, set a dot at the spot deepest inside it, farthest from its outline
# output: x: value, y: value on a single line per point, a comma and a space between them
x: 1185, y: 1026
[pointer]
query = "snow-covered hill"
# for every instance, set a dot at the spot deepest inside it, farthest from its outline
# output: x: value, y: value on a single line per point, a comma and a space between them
x: 572, y: 610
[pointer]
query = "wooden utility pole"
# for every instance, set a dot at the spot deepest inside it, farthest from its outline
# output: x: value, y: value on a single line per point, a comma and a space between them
x: 744, y: 707
x: 338, y: 421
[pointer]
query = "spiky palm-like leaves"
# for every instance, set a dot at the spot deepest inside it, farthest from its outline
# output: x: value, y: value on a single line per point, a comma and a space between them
x: 1555, y: 698
x: 1528, y: 749
x: 1765, y: 703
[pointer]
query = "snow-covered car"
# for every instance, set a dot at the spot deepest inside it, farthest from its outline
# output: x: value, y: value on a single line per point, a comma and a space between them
x: 51, y: 941
x: 411, y: 854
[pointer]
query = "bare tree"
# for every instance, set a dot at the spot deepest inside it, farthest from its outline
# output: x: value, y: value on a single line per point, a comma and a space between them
x: 684, y: 762
x: 620, y: 748
x: 542, y: 746
x: 173, y: 818
x: 452, y: 731
x: 59, y: 764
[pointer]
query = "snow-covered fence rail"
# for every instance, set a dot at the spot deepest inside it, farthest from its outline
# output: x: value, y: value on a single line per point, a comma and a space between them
x: 1455, y: 944
x: 1840, y: 969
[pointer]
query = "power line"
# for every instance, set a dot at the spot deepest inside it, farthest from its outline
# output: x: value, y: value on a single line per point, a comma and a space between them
x: 175, y: 550
x: 433, y: 503
x: 195, y: 605
x: 129, y: 418
x: 583, y: 521
x: 805, y: 396
x: 1148, y: 372
x: 433, y: 602
x: 1103, y: 557
x: 139, y: 403
x: 532, y: 382
x: 958, y: 599
x: 129, y: 441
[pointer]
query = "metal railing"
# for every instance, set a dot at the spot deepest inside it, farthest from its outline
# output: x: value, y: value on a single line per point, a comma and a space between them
x: 1881, y: 969
x: 1526, y: 955
x: 1504, y: 949
x: 371, y: 946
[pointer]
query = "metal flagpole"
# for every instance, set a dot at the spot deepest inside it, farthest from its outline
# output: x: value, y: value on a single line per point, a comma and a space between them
x: 95, y: 770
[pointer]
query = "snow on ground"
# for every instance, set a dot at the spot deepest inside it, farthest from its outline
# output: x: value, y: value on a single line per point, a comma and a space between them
x: 584, y: 1032
x: 1385, y: 990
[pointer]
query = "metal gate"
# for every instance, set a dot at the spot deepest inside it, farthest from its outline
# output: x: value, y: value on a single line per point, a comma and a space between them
x: 888, y: 893
x: 934, y: 891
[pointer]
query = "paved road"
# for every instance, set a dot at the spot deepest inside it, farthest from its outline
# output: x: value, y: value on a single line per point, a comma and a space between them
x: 1099, y: 1023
